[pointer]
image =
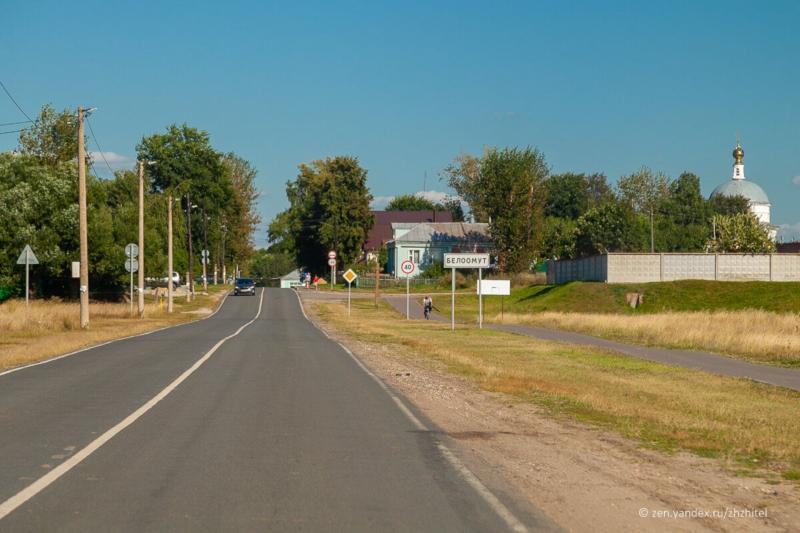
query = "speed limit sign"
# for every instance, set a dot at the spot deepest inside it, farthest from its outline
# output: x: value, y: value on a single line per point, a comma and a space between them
x: 407, y: 267
x: 332, y: 262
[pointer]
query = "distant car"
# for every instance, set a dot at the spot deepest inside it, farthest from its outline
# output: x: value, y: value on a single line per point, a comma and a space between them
x: 176, y: 279
x: 244, y: 286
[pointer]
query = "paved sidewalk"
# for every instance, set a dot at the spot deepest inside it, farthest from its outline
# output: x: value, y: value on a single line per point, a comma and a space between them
x: 705, y: 361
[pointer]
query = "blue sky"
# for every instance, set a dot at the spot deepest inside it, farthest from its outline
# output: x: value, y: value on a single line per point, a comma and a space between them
x: 605, y: 86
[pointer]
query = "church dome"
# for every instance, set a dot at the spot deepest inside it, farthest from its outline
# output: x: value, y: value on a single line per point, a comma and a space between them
x: 745, y: 188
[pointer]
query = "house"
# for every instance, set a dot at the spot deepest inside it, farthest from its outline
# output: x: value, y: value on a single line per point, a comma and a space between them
x: 381, y: 231
x: 426, y: 243
x: 290, y: 280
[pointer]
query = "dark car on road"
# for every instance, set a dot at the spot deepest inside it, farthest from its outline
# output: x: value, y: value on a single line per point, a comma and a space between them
x: 244, y: 286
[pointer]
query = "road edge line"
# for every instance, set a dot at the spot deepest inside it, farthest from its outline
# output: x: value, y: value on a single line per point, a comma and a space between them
x: 15, y: 501
x: 472, y: 480
x: 106, y: 343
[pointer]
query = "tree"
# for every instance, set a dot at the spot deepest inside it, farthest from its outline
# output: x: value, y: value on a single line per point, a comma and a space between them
x: 265, y: 265
x: 507, y: 187
x: 328, y: 210
x: 730, y: 205
x: 412, y: 202
x: 242, y: 217
x: 558, y: 241
x: 454, y: 206
x: 644, y: 191
x: 608, y: 227
x: 741, y: 233
x: 53, y: 137
x: 567, y: 195
x: 685, y: 224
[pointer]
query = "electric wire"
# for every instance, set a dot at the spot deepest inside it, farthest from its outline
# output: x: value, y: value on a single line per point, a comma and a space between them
x: 15, y: 102
x: 15, y: 123
x: 98, y: 146
x: 11, y: 131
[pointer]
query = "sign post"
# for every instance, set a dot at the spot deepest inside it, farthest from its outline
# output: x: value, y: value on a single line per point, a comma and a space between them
x: 495, y: 287
x: 332, y: 264
x: 27, y: 258
x: 131, y: 264
x: 349, y: 277
x: 407, y: 267
x: 454, y: 261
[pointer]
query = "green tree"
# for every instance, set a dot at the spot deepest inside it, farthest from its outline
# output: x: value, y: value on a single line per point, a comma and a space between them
x: 644, y: 191
x: 506, y: 187
x: 454, y: 206
x: 264, y: 265
x: 412, y: 202
x: 241, y: 215
x: 685, y: 222
x: 609, y: 227
x: 567, y: 195
x: 53, y: 137
x: 559, y: 238
x: 328, y: 210
x: 741, y: 233
x: 730, y: 205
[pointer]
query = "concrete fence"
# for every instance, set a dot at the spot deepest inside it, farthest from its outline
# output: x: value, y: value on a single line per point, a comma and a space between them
x: 643, y: 268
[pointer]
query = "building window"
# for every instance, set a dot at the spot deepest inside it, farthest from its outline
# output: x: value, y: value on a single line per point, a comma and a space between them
x: 414, y: 256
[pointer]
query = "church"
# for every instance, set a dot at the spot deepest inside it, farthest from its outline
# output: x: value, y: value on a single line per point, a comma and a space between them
x: 739, y: 185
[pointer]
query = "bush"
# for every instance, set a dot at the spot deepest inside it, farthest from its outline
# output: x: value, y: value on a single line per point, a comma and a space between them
x: 435, y: 270
x: 524, y: 279
x: 462, y: 281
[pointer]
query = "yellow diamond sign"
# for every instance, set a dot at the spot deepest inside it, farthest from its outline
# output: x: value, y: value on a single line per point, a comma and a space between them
x: 350, y: 276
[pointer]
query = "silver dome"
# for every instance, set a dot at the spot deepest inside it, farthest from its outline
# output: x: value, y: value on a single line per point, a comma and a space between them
x: 745, y: 188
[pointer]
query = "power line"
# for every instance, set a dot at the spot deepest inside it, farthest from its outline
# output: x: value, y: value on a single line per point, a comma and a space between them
x: 14, y: 123
x: 12, y: 131
x: 88, y: 122
x: 15, y: 102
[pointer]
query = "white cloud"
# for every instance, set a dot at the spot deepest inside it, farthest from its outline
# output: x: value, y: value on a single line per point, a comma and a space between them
x: 796, y: 180
x: 788, y: 232
x: 114, y: 159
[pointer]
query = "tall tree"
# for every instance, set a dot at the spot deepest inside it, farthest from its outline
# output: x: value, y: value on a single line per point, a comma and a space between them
x: 609, y: 227
x: 567, y: 195
x: 730, y: 205
x: 242, y: 215
x: 507, y: 187
x: 644, y: 191
x: 685, y: 224
x: 53, y: 137
x: 412, y: 202
x: 328, y: 210
x: 741, y: 233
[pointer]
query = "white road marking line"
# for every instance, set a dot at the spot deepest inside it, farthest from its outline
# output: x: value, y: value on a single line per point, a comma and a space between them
x: 92, y: 347
x: 43, y: 482
x: 513, y: 523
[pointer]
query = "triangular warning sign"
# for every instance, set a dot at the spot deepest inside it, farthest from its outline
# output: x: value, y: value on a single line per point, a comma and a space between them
x: 27, y: 256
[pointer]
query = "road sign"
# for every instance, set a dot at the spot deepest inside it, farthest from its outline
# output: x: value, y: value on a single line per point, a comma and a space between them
x: 204, y: 253
x: 132, y: 264
x: 76, y: 269
x: 350, y: 276
x: 332, y: 262
x: 466, y: 260
x: 131, y: 250
x: 495, y: 287
x: 407, y: 267
x: 27, y: 257
x: 331, y: 255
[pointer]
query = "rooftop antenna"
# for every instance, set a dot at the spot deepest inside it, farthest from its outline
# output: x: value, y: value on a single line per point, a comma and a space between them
x: 425, y: 182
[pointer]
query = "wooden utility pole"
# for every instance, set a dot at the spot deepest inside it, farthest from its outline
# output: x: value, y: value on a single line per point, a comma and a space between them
x: 141, y: 238
x: 84, y: 239
x: 205, y: 252
x: 190, y: 277
x: 377, y: 276
x: 169, y: 253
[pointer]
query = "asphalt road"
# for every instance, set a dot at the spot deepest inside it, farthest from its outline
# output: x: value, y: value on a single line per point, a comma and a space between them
x: 278, y: 430
x: 697, y: 360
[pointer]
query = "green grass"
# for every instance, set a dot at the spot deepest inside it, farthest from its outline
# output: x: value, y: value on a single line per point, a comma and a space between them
x: 594, y: 297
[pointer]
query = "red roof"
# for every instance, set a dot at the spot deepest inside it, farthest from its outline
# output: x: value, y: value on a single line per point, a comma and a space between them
x: 381, y: 231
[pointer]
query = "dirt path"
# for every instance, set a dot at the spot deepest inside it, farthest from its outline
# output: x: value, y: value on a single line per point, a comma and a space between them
x: 583, y: 478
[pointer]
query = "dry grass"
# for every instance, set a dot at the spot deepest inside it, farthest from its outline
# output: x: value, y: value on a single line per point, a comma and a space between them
x: 759, y: 336
x: 49, y: 327
x: 666, y: 407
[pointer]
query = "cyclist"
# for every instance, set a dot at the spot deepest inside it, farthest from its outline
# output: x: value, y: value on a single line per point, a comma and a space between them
x: 427, y: 306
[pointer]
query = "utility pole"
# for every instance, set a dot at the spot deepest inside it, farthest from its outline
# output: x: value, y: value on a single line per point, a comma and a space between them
x: 141, y: 239
x: 224, y: 269
x: 84, y: 239
x: 190, y: 277
x: 205, y: 251
x: 377, y: 274
x: 169, y: 253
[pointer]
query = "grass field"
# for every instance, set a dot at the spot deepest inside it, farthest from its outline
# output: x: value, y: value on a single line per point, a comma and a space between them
x: 757, y: 321
x: 752, y: 427
x: 48, y: 328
